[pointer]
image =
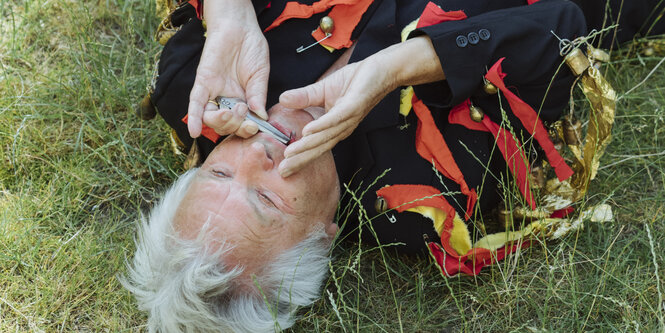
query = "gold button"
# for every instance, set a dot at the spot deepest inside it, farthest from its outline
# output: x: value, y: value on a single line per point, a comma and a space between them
x: 577, y: 61
x: 476, y: 113
x: 327, y: 24
x: 490, y: 88
x: 380, y: 205
x: 506, y: 218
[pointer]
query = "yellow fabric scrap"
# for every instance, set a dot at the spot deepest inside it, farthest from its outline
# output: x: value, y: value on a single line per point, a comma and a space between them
x: 406, y: 94
x: 435, y: 214
x: 405, y: 98
x: 330, y: 49
x: 407, y: 30
x: 460, y: 239
x: 498, y: 240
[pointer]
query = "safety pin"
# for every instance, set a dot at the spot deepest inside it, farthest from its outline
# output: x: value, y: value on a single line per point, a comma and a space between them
x: 300, y: 49
x: 327, y: 25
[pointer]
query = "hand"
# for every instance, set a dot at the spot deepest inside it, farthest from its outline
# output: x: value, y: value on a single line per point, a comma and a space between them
x: 234, y: 63
x: 351, y: 92
x: 225, y: 121
x: 347, y: 96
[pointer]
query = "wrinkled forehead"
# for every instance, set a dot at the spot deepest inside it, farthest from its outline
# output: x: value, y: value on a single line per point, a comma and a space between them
x: 229, y: 212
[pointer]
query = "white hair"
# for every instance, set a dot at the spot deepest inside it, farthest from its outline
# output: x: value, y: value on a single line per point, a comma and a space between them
x: 185, y: 287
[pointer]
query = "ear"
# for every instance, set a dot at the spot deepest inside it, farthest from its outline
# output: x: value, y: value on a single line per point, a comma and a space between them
x: 332, y: 229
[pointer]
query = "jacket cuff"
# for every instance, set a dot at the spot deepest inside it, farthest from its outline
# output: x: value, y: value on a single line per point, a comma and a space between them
x: 467, y: 48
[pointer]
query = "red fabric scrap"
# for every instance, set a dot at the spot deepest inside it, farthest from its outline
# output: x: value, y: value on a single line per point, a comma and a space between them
x: 433, y: 14
x: 403, y: 197
x: 197, y: 6
x: 345, y: 14
x: 472, y: 263
x: 431, y: 146
x: 508, y: 144
x: 531, y: 122
x: 206, y: 131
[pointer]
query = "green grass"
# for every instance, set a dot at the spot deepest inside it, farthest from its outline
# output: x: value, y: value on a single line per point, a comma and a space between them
x: 78, y: 167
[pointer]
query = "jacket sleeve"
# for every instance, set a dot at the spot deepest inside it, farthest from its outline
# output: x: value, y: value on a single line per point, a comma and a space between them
x: 524, y: 35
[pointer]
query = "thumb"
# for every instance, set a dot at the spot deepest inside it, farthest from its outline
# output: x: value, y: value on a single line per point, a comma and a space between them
x: 311, y: 95
x: 197, y: 101
x: 256, y: 92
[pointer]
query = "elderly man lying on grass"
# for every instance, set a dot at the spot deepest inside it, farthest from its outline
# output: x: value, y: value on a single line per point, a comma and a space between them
x: 438, y: 111
x: 234, y: 231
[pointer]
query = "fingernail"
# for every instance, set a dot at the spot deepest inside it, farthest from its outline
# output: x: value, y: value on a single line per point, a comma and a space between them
x: 263, y: 114
x: 251, y: 128
x: 284, y: 97
x: 284, y: 171
x: 306, y: 129
x: 288, y: 151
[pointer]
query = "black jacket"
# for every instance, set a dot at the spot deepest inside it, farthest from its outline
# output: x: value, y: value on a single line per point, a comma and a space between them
x: 523, y: 34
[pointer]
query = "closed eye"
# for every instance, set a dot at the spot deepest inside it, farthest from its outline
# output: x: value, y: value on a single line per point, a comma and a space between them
x: 220, y: 173
x: 266, y: 199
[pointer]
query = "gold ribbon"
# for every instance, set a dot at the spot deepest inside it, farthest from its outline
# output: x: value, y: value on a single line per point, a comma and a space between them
x: 602, y: 100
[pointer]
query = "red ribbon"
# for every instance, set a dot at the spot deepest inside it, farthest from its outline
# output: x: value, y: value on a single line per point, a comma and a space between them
x: 429, y: 142
x: 473, y: 262
x: 508, y: 144
x: 530, y: 121
x: 404, y: 197
x: 431, y: 146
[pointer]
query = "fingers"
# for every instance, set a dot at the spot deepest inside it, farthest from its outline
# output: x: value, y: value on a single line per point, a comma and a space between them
x: 247, y: 129
x: 311, y: 95
x: 257, y: 91
x: 311, y: 141
x: 293, y: 164
x: 337, y: 115
x: 211, y: 106
x: 307, y: 149
x: 198, y: 98
x: 225, y: 121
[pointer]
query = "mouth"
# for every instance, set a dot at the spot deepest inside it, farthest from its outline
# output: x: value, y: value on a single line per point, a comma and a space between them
x: 291, y: 134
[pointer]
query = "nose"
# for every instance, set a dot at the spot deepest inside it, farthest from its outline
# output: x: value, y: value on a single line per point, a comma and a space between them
x: 257, y: 157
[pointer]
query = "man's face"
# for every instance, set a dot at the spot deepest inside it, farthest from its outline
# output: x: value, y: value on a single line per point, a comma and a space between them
x: 248, y: 204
